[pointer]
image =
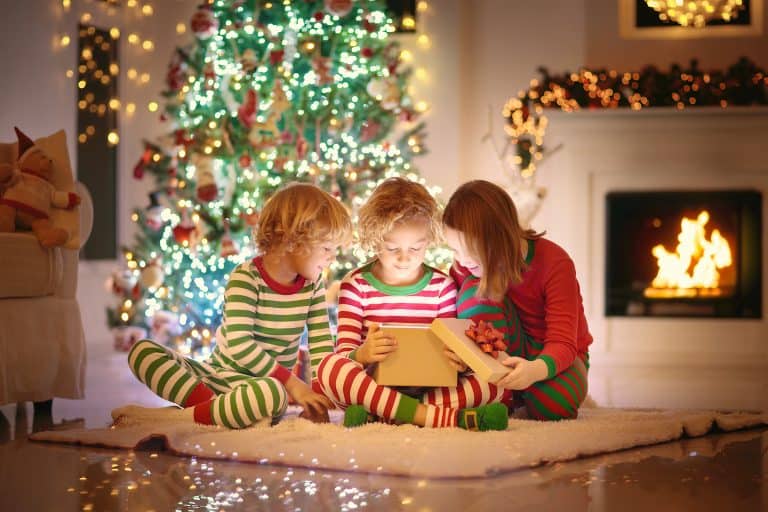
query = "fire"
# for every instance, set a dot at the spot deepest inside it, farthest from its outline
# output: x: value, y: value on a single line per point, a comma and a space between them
x: 675, y: 277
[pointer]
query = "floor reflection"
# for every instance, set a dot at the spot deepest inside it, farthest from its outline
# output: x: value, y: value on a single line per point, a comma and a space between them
x: 717, y: 472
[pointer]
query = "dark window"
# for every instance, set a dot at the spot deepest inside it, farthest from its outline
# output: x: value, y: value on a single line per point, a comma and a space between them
x: 96, y: 125
x: 399, y: 9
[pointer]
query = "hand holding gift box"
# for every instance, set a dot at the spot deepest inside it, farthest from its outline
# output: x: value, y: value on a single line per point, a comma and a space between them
x: 420, y: 359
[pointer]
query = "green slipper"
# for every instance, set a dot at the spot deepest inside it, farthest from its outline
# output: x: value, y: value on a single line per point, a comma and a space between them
x: 355, y: 415
x: 486, y: 417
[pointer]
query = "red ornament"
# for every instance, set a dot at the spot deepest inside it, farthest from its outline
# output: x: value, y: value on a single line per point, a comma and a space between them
x: 245, y: 160
x: 140, y: 167
x: 246, y: 113
x: 138, y: 171
x: 488, y: 338
x: 369, y: 130
x: 180, y: 138
x: 301, y: 146
x: 369, y: 27
x: 319, y: 16
x: 407, y: 115
x: 338, y: 8
x: 183, y: 231
x: 251, y: 218
x: 203, y: 23
x: 276, y: 57
x: 366, y: 52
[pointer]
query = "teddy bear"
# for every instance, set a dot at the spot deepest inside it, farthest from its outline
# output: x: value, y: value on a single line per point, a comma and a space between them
x: 28, y: 195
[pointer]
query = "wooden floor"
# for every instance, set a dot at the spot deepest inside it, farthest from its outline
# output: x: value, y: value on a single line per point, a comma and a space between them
x: 717, y: 472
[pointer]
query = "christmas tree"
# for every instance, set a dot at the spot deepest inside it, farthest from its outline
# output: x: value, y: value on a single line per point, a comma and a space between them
x: 268, y: 93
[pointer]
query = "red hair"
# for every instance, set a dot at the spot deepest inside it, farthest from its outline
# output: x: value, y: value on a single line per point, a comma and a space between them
x: 487, y: 218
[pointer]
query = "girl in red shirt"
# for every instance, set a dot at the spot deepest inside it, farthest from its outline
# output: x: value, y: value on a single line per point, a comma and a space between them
x: 505, y: 271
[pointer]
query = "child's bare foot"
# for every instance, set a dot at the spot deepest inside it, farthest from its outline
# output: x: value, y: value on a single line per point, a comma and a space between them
x: 134, y: 414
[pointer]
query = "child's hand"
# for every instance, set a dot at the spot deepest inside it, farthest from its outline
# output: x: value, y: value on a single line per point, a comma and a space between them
x: 377, y: 346
x: 524, y: 373
x: 455, y: 360
x: 314, y: 404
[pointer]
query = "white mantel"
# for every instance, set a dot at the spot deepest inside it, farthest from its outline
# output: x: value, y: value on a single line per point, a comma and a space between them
x: 654, y: 149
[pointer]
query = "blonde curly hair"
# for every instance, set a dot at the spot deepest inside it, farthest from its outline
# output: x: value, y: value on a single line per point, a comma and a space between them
x: 394, y: 202
x: 301, y: 215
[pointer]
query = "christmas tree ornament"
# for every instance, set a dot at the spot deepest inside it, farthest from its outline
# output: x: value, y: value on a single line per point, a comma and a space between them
x: 244, y: 160
x: 338, y: 8
x: 228, y: 246
x: 124, y: 281
x: 377, y: 87
x: 141, y: 166
x: 177, y: 73
x: 302, y: 146
x: 182, y: 138
x: 210, y: 75
x: 152, y: 275
x: 391, y: 96
x: 248, y: 60
x: 322, y: 67
x: 203, y: 23
x: 368, y: 26
x: 369, y: 130
x: 184, y: 231
x: 206, y: 189
x: 251, y: 218
x: 246, y: 113
x: 165, y: 325
x: 276, y: 56
x: 153, y: 217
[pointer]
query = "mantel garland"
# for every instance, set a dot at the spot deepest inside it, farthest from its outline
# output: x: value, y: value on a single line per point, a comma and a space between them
x: 742, y: 84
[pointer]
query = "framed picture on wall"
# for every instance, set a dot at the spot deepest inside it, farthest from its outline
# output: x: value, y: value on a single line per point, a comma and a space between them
x: 638, y: 20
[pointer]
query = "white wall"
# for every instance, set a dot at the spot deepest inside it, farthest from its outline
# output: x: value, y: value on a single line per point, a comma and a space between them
x: 39, y: 98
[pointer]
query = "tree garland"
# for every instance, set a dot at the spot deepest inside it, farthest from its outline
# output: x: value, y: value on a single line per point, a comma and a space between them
x: 742, y: 84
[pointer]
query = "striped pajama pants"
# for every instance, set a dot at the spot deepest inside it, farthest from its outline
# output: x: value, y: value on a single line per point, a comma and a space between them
x: 241, y: 400
x: 556, y: 398
x: 346, y: 383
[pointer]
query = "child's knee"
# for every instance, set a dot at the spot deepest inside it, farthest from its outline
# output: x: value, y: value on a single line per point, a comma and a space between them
x: 139, y: 348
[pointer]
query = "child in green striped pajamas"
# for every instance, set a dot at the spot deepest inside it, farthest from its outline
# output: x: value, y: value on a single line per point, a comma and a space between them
x: 268, y: 303
x: 514, y: 276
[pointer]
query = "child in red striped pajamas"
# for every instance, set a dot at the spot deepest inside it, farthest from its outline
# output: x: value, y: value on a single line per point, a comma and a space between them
x: 515, y: 276
x: 399, y: 222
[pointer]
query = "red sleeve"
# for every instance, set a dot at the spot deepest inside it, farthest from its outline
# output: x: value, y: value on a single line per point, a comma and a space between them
x: 281, y: 373
x: 459, y: 274
x: 447, y: 308
x: 561, y: 310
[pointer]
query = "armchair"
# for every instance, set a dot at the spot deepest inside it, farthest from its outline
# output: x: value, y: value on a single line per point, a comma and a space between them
x: 42, y: 344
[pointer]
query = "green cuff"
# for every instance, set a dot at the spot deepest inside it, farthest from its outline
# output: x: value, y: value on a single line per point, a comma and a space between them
x: 406, y: 409
x: 551, y: 368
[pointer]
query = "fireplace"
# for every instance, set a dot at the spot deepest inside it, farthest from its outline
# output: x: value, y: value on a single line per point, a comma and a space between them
x: 684, y: 253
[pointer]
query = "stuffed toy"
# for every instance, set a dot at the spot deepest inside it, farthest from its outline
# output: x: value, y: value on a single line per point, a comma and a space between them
x: 28, y: 195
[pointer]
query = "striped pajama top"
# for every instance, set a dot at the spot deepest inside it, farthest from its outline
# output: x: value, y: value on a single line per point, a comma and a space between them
x: 364, y: 299
x: 264, y: 320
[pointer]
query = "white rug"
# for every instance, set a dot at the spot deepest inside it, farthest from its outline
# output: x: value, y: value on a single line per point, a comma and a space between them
x: 411, y: 451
